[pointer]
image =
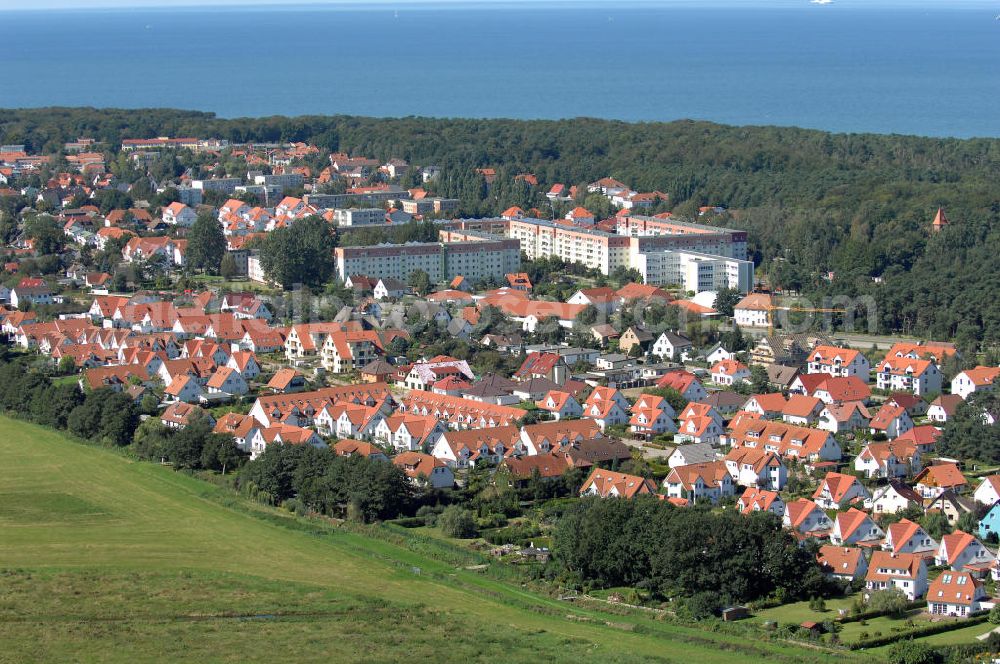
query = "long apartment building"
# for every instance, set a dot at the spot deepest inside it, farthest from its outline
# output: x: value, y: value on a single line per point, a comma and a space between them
x: 695, y: 257
x: 475, y: 259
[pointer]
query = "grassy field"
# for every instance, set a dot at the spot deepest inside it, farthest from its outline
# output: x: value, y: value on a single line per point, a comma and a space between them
x: 107, y: 559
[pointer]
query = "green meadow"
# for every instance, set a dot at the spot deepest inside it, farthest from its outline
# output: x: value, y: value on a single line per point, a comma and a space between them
x: 103, y: 558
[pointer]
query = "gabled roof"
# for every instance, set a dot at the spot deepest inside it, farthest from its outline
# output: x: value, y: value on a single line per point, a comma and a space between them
x: 898, y: 566
x: 842, y: 560
x: 609, y: 483
x: 960, y: 588
x: 838, y: 485
x: 955, y: 543
x: 941, y: 475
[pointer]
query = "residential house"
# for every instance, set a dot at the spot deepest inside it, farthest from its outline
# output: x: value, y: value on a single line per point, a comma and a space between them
x: 183, y: 388
x: 179, y: 214
x: 901, y: 373
x: 787, y: 440
x: 754, y: 310
x: 806, y: 518
x: 837, y: 490
x: 761, y: 500
x: 179, y: 414
x: 227, y: 380
x: 349, y: 447
x: 461, y: 449
x: 839, y: 362
x: 906, y: 572
x: 672, y: 346
x: 730, y: 372
x: 887, y: 460
x: 635, y: 337
x: 988, y: 491
x: 699, y: 482
x: 843, y: 417
x: 845, y: 563
x: 686, y: 455
x: 424, y: 470
x: 286, y: 381
x: 388, y: 288
x: 610, y: 484
x: 855, y: 527
x: 979, y: 379
x: 957, y: 594
x: 934, y: 480
x: 560, y: 405
x: 891, y: 420
x: 943, y: 407
x: 802, y: 410
x: 952, y: 505
x: 756, y: 468
x: 894, y: 497
x: 960, y: 551
x: 684, y: 382
x: 907, y: 536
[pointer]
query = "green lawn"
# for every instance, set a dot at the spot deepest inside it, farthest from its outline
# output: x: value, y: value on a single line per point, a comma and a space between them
x: 107, y: 559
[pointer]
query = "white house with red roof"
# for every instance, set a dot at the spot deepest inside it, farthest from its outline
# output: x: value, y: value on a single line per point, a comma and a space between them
x: 988, y: 491
x: 560, y: 405
x: 684, y: 382
x: 610, y: 484
x: 761, y: 500
x: 837, y: 490
x: 806, y: 517
x: 754, y: 310
x: 178, y: 214
x: 730, y: 372
x: 756, y: 468
x: 934, y: 480
x: 844, y: 417
x: 902, y: 373
x: 962, y: 551
x: 855, y: 527
x: 183, y: 388
x: 907, y: 536
x: 424, y: 470
x: 699, y: 482
x: 970, y: 381
x: 841, y: 362
x: 846, y: 563
x: 904, y: 571
x: 957, y: 594
x: 886, y: 460
x: 891, y: 420
x: 227, y: 380
x: 606, y: 413
x: 802, y: 410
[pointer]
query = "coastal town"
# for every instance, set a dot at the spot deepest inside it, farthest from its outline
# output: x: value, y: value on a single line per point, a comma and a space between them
x: 636, y: 351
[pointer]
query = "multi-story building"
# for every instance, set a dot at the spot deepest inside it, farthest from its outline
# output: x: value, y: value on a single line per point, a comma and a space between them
x: 443, y: 261
x: 359, y: 216
x: 225, y: 185
x: 693, y: 256
x: 283, y: 180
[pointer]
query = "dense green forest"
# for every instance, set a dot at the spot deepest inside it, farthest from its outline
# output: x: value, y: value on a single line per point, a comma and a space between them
x: 858, y: 206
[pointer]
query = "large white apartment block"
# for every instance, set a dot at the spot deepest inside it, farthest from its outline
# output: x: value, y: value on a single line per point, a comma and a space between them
x: 359, y: 217
x: 283, y: 180
x: 693, y: 271
x: 225, y: 185
x: 442, y: 261
x: 665, y: 252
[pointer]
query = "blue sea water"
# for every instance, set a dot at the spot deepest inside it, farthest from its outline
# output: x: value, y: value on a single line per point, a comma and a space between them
x: 890, y: 69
